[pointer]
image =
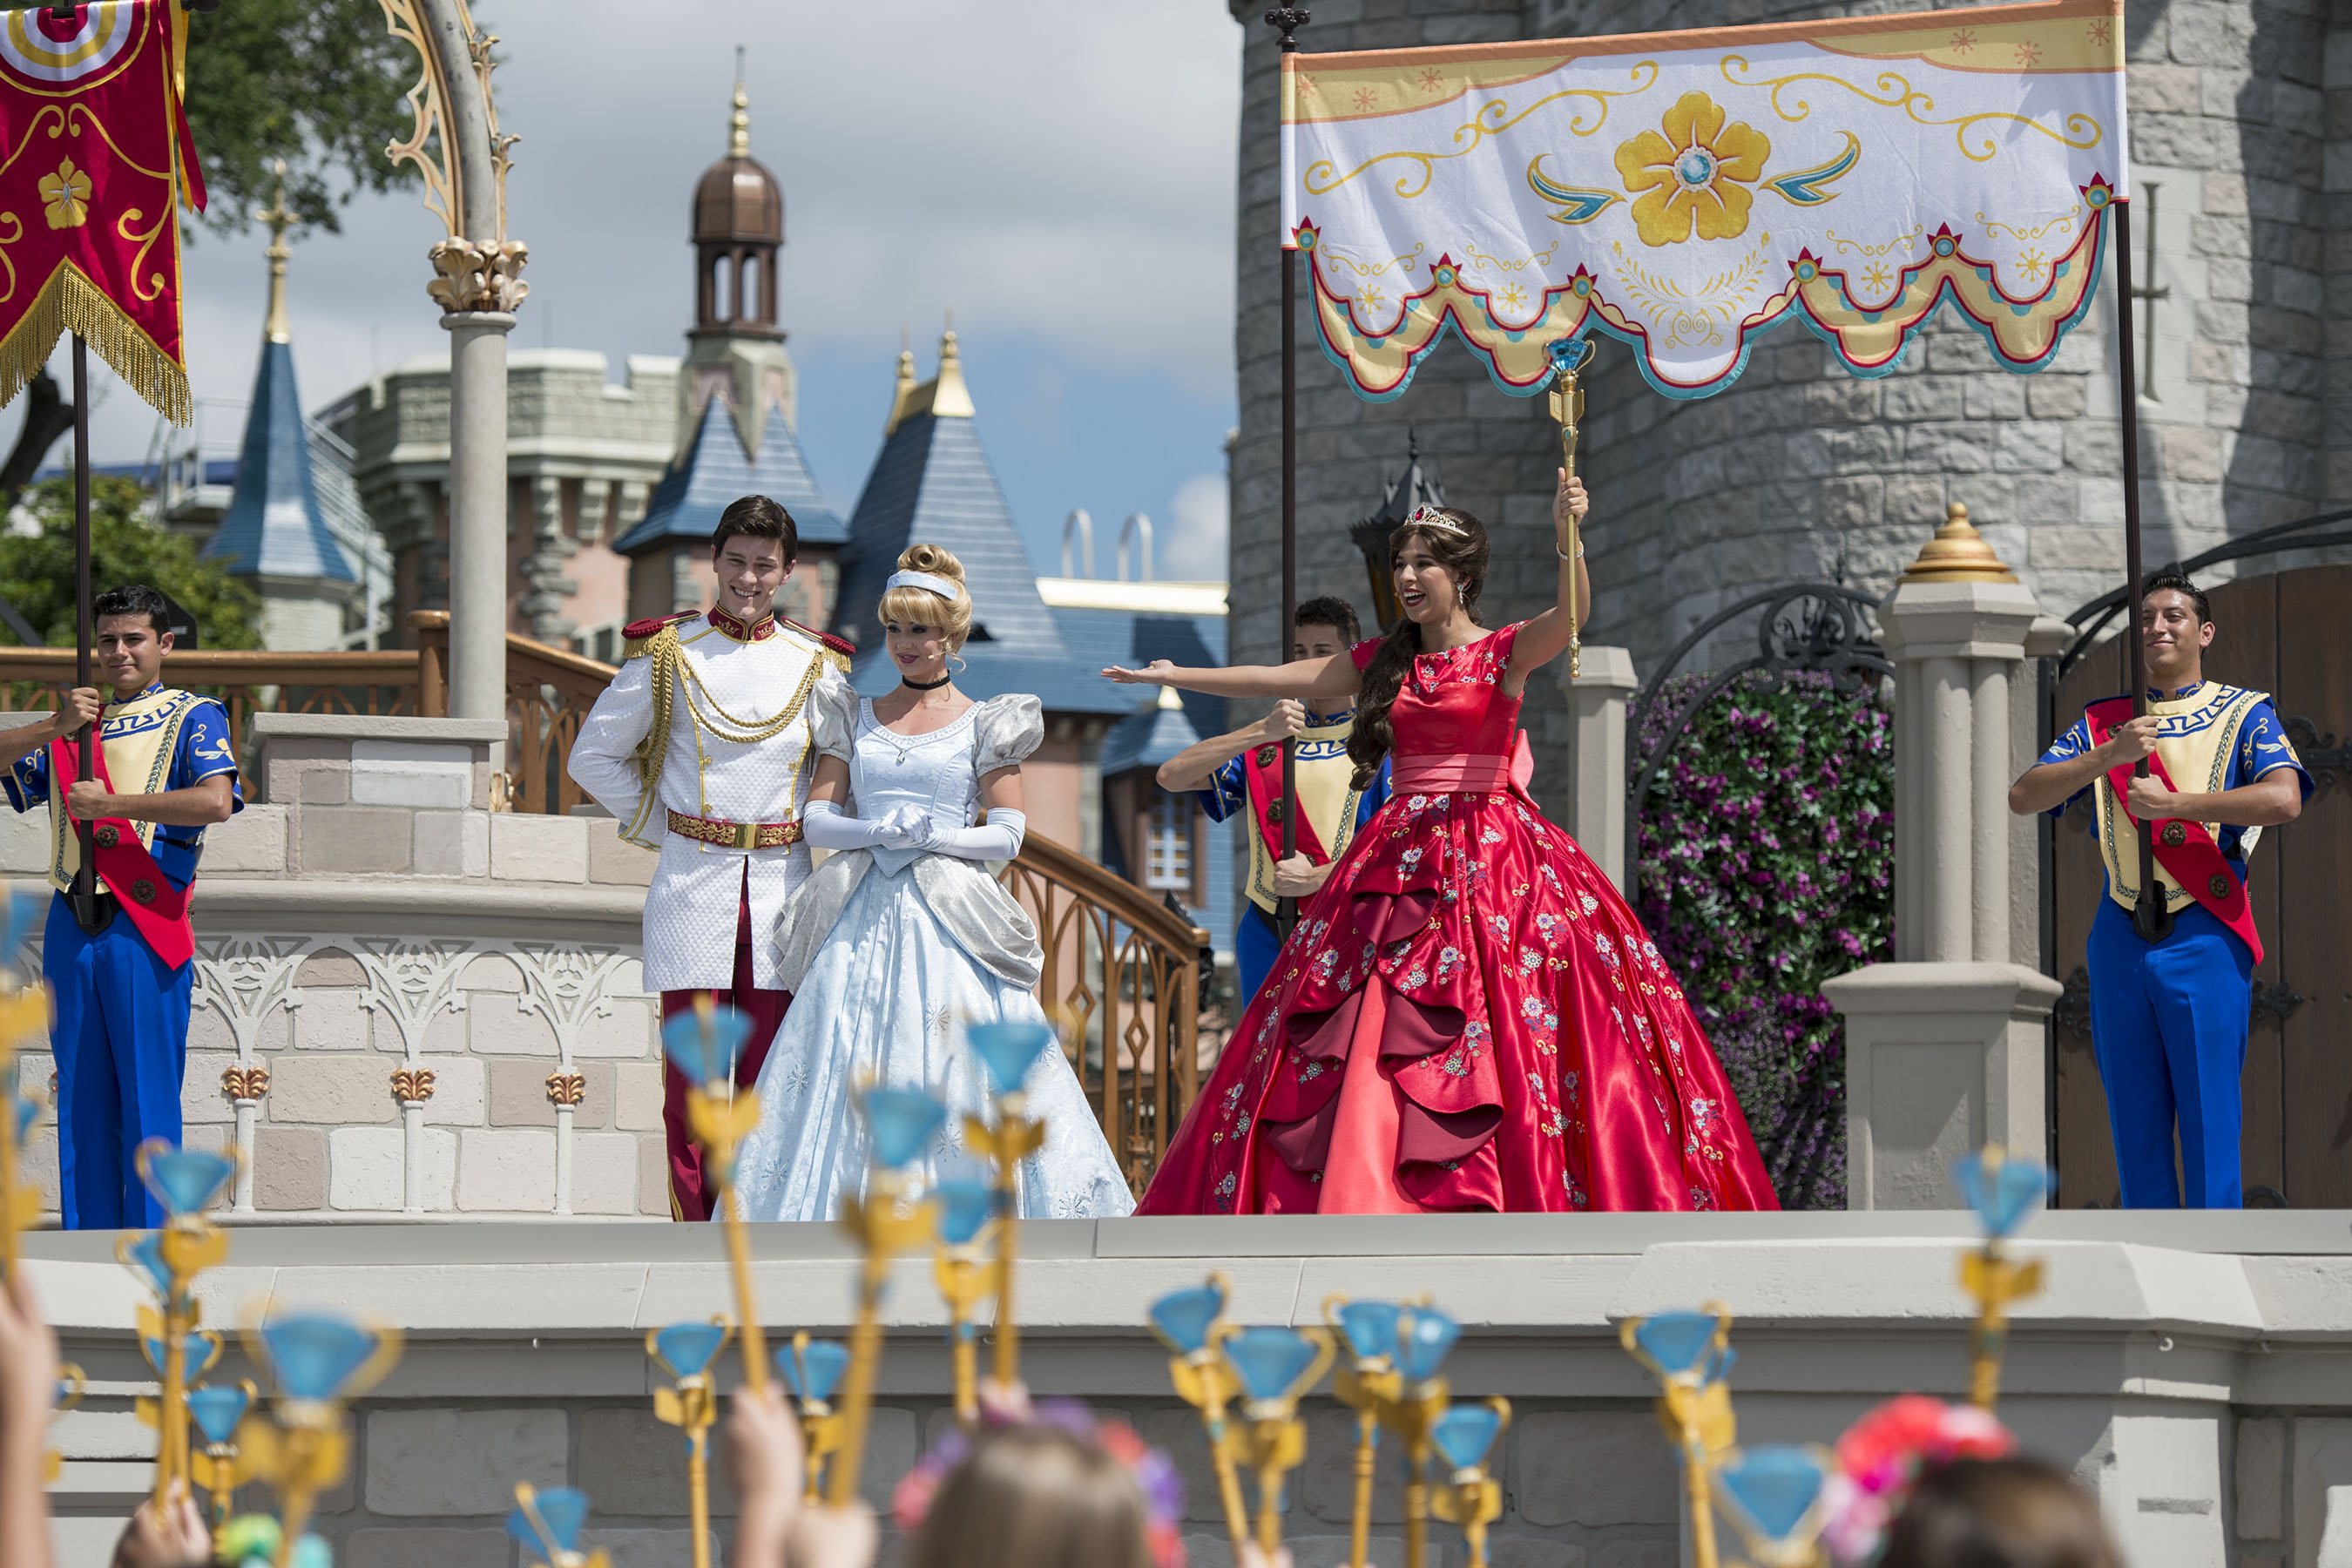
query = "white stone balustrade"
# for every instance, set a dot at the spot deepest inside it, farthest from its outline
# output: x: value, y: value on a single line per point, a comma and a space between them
x: 1594, y: 810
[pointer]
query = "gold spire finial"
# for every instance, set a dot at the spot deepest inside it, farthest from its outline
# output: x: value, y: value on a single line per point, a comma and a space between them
x: 1957, y: 553
x: 902, y: 396
x: 739, y: 143
x: 274, y: 325
x: 950, y: 399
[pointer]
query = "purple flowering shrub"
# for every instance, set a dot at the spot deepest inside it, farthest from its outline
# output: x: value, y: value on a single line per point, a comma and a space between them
x: 1768, y: 858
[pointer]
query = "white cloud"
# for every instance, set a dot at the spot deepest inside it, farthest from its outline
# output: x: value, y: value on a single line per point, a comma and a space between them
x: 1193, y: 548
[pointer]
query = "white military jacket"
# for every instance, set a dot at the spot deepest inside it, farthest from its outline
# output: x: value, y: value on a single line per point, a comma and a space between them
x: 736, y: 707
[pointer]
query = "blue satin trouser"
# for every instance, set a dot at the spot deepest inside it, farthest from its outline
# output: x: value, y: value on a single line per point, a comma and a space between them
x: 2169, y: 1029
x: 122, y: 1045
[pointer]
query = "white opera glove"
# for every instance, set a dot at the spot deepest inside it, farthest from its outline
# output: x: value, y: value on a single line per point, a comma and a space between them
x: 998, y: 839
x: 906, y: 827
x: 824, y: 825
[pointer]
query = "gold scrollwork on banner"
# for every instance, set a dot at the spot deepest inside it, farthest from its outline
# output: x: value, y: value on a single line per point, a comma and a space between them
x: 1491, y: 119
x: 70, y: 125
x: 15, y: 232
x: 1474, y: 257
x: 2062, y: 223
x: 146, y: 242
x: 1410, y: 260
x: 1694, y: 316
x: 2083, y: 132
x: 1885, y: 248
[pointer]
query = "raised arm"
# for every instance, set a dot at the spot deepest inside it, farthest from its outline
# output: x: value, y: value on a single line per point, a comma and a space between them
x: 1196, y: 767
x: 1545, y: 636
x: 1333, y: 676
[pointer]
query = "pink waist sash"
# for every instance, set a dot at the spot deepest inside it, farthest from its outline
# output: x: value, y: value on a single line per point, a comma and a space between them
x: 1433, y: 774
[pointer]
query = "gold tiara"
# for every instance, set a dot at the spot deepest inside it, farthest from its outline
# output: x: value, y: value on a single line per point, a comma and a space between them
x: 1431, y: 518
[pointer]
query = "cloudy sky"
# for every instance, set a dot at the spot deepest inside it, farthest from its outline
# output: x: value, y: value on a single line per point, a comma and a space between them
x: 1061, y: 175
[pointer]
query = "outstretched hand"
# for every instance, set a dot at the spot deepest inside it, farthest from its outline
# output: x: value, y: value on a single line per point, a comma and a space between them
x: 171, y: 1537
x: 761, y: 1449
x: 1159, y: 672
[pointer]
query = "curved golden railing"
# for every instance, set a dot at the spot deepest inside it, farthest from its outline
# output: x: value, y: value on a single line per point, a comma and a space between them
x: 1122, y: 977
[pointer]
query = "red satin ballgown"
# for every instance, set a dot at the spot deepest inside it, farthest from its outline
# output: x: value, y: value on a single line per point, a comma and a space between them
x: 1467, y: 1016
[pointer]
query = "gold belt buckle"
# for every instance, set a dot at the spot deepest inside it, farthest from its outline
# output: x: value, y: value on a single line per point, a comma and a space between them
x: 743, y: 835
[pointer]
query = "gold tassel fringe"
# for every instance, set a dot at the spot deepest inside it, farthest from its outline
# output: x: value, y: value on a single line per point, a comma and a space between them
x: 70, y: 301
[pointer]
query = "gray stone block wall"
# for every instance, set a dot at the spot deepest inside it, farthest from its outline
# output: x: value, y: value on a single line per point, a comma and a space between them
x: 2242, y: 190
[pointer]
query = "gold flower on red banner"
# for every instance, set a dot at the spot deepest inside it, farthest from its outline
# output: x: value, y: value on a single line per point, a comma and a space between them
x: 1695, y: 175
x: 66, y: 192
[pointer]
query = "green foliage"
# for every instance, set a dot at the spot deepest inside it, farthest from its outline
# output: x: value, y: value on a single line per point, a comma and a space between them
x: 316, y: 82
x: 37, y: 573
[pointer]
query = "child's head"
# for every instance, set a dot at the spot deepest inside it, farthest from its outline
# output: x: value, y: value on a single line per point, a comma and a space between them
x: 1036, y: 1496
x: 1999, y: 1513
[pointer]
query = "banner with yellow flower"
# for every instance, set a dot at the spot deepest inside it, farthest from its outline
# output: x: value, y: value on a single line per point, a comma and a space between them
x: 1687, y: 192
x: 95, y: 160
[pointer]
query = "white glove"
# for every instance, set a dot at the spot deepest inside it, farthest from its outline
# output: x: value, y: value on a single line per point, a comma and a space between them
x: 825, y: 826
x: 922, y: 832
x: 998, y: 839
x: 905, y: 828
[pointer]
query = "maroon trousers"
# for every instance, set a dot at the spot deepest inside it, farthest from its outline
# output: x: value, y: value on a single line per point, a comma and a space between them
x: 690, y: 1191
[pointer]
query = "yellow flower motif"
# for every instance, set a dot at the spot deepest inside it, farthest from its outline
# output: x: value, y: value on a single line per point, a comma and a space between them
x: 1696, y: 172
x: 66, y: 192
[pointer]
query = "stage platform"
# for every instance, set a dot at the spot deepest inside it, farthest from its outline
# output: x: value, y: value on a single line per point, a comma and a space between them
x: 2196, y: 1369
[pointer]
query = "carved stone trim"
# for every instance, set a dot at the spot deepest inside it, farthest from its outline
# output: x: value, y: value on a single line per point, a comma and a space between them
x: 244, y: 1084
x: 411, y: 981
x: 412, y: 1086
x: 477, y: 276
x: 567, y: 1088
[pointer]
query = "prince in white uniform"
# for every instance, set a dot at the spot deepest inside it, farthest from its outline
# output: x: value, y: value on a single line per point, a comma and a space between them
x: 700, y: 747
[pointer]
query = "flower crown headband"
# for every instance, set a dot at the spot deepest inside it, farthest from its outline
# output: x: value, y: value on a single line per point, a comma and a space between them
x: 1880, y: 1459
x: 1155, y: 1474
x: 1429, y: 516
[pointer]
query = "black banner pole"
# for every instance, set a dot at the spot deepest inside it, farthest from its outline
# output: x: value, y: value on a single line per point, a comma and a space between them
x: 1288, y: 19
x: 2151, y: 916
x: 84, y: 898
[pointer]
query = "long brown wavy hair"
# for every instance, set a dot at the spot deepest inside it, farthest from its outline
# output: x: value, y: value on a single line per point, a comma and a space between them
x: 1465, y: 556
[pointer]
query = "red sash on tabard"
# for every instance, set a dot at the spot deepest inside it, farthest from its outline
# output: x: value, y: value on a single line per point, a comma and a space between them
x: 2183, y: 848
x: 158, y: 912
x: 1262, y: 767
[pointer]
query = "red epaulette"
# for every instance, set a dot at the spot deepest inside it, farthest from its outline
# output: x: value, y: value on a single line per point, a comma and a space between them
x: 831, y: 644
x: 637, y: 631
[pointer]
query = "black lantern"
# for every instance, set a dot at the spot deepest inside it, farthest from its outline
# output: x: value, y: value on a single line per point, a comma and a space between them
x: 1409, y: 491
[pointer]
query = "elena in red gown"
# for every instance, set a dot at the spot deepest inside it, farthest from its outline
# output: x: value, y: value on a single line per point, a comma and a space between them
x: 1466, y: 1016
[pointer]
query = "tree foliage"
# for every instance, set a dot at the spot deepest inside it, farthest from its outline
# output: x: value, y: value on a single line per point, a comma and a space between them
x: 318, y: 83
x: 1768, y: 844
x: 37, y: 571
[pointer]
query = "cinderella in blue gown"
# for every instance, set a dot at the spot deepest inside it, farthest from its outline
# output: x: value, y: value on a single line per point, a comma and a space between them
x: 889, y: 953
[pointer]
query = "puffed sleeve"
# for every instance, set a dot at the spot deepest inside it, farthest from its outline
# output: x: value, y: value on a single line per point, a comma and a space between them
x: 1007, y: 728
x: 833, y: 715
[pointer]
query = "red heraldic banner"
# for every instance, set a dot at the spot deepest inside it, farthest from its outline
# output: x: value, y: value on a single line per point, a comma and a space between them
x: 95, y: 158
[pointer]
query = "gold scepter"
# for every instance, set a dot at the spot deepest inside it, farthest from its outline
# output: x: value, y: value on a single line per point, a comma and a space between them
x: 965, y: 1212
x: 2002, y: 1192
x: 1471, y: 1497
x: 222, y: 1467
x: 320, y: 1362
x: 899, y: 1121
x: 1192, y: 1323
x: 549, y: 1521
x: 1569, y: 356
x: 1366, y: 1381
x: 182, y: 1181
x: 812, y: 1369
x: 1689, y: 1353
x: 1275, y: 1366
x: 703, y: 1045
x: 1007, y: 1051
x: 1425, y: 1337
x: 685, y: 1350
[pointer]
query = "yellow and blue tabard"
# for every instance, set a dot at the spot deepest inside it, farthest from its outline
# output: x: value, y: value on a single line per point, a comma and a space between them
x: 159, y: 740
x: 1334, y: 808
x: 2212, y: 737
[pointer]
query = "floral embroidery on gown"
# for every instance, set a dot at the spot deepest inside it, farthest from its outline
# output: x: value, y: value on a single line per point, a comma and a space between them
x: 1467, y: 1016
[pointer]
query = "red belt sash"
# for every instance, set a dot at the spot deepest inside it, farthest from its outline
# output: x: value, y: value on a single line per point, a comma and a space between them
x: 158, y: 912
x: 2183, y: 848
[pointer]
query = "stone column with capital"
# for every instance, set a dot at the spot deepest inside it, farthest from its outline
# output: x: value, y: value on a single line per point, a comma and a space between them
x: 1945, y: 1045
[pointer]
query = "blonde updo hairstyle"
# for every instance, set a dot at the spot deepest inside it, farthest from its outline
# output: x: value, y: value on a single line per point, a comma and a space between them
x: 910, y: 606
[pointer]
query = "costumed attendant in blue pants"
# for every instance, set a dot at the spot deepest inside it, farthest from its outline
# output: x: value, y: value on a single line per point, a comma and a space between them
x: 1245, y: 769
x: 165, y: 770
x: 2169, y: 1018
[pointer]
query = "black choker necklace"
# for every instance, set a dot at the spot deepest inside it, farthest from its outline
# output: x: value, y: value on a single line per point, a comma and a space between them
x: 925, y: 685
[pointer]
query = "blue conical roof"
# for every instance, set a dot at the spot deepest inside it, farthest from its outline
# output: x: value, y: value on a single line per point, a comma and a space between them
x: 716, y: 471
x: 933, y: 484
x: 273, y: 527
